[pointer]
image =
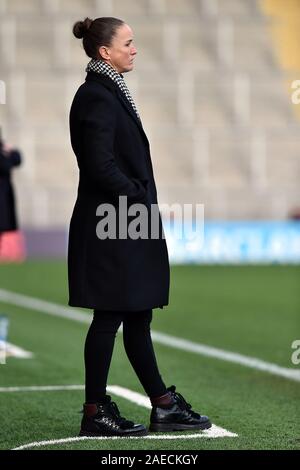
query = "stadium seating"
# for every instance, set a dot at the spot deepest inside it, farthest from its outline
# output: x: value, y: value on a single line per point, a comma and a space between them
x: 208, y: 82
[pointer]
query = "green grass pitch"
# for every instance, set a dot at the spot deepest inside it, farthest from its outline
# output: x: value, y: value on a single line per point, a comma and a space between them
x: 250, y: 310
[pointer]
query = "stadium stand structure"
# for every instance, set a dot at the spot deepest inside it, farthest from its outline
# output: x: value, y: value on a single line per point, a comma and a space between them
x: 211, y: 90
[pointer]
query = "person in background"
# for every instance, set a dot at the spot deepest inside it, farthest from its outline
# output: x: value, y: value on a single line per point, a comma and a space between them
x: 9, y: 159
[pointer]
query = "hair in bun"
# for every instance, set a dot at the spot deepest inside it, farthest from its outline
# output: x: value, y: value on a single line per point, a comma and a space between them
x: 96, y: 33
x: 80, y: 28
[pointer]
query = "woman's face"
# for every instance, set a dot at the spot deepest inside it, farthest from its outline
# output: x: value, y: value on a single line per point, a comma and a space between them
x: 121, y: 53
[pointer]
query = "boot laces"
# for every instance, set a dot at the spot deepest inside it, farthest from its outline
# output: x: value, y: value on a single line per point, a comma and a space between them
x: 184, y: 405
x: 123, y: 422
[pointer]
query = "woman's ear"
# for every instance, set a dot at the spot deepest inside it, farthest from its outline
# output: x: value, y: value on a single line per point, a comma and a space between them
x: 103, y: 52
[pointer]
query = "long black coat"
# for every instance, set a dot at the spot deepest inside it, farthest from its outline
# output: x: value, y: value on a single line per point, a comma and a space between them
x: 8, y: 219
x: 114, y: 160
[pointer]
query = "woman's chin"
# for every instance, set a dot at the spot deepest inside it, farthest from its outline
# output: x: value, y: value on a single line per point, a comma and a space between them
x: 129, y: 67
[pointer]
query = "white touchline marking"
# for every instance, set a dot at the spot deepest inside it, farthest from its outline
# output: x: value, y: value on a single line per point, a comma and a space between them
x: 209, y: 351
x: 134, y: 397
x: 41, y: 388
x: 162, y: 338
x: 130, y: 395
x: 137, y: 398
x: 43, y: 306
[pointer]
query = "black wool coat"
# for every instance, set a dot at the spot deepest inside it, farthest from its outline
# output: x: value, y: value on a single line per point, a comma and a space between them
x: 113, y: 157
x: 8, y: 219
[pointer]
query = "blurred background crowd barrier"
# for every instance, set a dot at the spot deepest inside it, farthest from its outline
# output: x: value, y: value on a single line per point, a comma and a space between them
x: 213, y: 84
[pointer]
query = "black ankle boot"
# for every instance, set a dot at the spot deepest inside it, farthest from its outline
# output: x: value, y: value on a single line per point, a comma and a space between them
x: 104, y: 419
x: 177, y: 416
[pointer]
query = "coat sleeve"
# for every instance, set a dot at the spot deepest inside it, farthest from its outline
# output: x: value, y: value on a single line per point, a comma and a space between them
x: 9, y: 161
x: 99, y: 162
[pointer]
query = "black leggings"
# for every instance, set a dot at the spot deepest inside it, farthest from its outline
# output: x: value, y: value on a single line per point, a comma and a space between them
x: 137, y: 340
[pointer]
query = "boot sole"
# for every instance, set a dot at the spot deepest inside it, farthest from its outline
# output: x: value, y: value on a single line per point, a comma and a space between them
x: 165, y: 427
x: 94, y: 434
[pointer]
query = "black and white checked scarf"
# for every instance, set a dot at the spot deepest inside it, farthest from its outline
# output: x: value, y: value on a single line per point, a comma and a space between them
x: 99, y: 66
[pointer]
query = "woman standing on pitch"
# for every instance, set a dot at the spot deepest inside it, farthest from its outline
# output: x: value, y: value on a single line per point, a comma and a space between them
x: 122, y: 278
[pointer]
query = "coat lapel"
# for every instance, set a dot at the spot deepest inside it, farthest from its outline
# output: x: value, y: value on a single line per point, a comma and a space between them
x: 128, y: 106
x: 108, y: 83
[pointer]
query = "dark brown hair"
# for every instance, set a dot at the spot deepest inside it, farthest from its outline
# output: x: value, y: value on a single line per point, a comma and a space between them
x: 96, y: 33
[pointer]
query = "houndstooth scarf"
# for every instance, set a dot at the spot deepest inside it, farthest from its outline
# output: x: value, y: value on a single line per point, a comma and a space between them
x: 99, y: 66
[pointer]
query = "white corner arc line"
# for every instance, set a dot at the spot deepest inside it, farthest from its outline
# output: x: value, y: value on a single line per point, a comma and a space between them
x: 137, y: 398
x: 162, y: 338
x: 213, y: 433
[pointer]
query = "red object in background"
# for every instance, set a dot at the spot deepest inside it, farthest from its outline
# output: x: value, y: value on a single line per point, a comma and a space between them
x: 12, y: 247
x: 294, y: 214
